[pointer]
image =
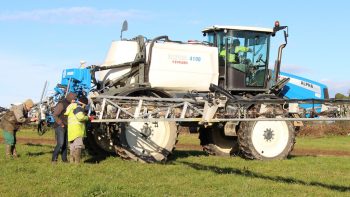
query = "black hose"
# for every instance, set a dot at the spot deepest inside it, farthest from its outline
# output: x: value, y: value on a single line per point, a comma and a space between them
x: 92, y: 73
x: 95, y: 68
x: 215, y: 88
x: 147, y: 66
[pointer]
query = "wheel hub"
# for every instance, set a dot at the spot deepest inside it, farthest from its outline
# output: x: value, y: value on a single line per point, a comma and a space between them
x: 146, y: 130
x: 268, y: 134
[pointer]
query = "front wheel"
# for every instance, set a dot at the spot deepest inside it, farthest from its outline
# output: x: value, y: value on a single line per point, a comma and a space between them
x: 146, y: 141
x: 149, y: 141
x: 99, y: 140
x: 266, y: 140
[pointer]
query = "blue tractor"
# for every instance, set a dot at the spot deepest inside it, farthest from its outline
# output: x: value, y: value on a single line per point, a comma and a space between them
x: 302, y: 88
x: 77, y: 80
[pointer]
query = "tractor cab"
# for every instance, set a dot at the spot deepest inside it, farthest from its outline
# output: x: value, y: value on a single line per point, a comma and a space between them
x: 243, y: 56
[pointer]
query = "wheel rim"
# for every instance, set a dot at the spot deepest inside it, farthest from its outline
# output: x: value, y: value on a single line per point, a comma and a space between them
x: 221, y: 142
x: 224, y: 150
x: 150, y: 139
x: 270, y: 138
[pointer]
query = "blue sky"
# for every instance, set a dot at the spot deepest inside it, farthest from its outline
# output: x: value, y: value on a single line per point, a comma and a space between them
x: 41, y: 38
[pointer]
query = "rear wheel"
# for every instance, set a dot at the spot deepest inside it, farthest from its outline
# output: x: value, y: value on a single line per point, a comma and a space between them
x: 215, y: 142
x: 266, y: 140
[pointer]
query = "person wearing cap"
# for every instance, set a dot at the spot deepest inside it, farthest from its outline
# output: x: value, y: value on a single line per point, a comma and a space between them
x: 76, y: 128
x: 10, y: 124
x: 60, y: 127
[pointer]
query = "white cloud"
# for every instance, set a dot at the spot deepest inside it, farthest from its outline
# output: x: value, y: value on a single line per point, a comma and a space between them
x: 337, y: 86
x: 74, y: 15
x: 296, y: 70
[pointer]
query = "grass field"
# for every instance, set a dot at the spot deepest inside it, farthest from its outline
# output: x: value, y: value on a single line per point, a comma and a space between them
x: 189, y: 173
x: 32, y: 133
x: 324, y: 143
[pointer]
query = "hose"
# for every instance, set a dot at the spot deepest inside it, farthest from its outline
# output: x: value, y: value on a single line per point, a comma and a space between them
x: 215, y: 88
x: 147, y: 66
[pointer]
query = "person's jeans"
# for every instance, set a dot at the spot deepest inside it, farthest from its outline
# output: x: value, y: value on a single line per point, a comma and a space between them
x: 61, y: 146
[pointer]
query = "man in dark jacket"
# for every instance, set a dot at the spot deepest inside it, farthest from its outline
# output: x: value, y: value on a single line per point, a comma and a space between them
x: 10, y: 123
x: 60, y: 127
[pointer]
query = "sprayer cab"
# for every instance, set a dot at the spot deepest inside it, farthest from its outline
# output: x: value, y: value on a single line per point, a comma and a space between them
x: 243, y: 56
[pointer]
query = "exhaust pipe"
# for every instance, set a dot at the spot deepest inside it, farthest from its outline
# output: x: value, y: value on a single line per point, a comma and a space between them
x: 278, y: 61
x: 280, y: 49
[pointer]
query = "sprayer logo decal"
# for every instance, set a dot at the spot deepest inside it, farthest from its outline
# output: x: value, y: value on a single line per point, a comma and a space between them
x: 183, y: 59
x: 306, y: 85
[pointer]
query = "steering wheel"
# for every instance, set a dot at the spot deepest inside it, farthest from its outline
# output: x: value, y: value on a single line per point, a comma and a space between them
x: 259, y: 59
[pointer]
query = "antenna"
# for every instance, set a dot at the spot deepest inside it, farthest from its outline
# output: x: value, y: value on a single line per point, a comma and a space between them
x: 40, y: 116
x: 124, y: 28
x: 43, y: 92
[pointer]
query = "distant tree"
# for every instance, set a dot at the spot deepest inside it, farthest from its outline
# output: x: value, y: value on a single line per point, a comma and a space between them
x: 340, y: 96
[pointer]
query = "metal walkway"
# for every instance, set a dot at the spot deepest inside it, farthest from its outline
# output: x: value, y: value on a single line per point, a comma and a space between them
x: 145, y: 109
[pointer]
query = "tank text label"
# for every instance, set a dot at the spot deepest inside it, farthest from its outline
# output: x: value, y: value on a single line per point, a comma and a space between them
x: 195, y: 58
x: 178, y: 59
x: 183, y: 59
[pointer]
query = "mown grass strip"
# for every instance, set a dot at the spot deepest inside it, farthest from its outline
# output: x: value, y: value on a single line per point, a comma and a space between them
x: 189, y: 173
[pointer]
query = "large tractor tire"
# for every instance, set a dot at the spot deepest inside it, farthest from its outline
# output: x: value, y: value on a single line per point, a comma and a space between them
x: 98, y: 141
x: 214, y: 141
x: 147, y: 141
x: 266, y: 140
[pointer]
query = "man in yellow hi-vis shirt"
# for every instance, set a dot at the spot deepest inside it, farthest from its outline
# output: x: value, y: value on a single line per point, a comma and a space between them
x: 233, y: 53
x: 76, y: 128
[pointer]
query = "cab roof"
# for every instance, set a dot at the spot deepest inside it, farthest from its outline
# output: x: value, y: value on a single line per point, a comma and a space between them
x: 244, y: 28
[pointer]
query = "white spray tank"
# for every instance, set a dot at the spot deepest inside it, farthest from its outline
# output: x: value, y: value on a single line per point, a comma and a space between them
x: 174, y: 66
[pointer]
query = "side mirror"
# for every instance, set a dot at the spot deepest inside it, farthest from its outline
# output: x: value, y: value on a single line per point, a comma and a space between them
x: 124, y: 28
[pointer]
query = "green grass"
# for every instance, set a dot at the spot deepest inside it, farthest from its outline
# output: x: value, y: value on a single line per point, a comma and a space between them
x: 191, y: 139
x: 189, y: 173
x: 325, y: 143
x: 32, y: 133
